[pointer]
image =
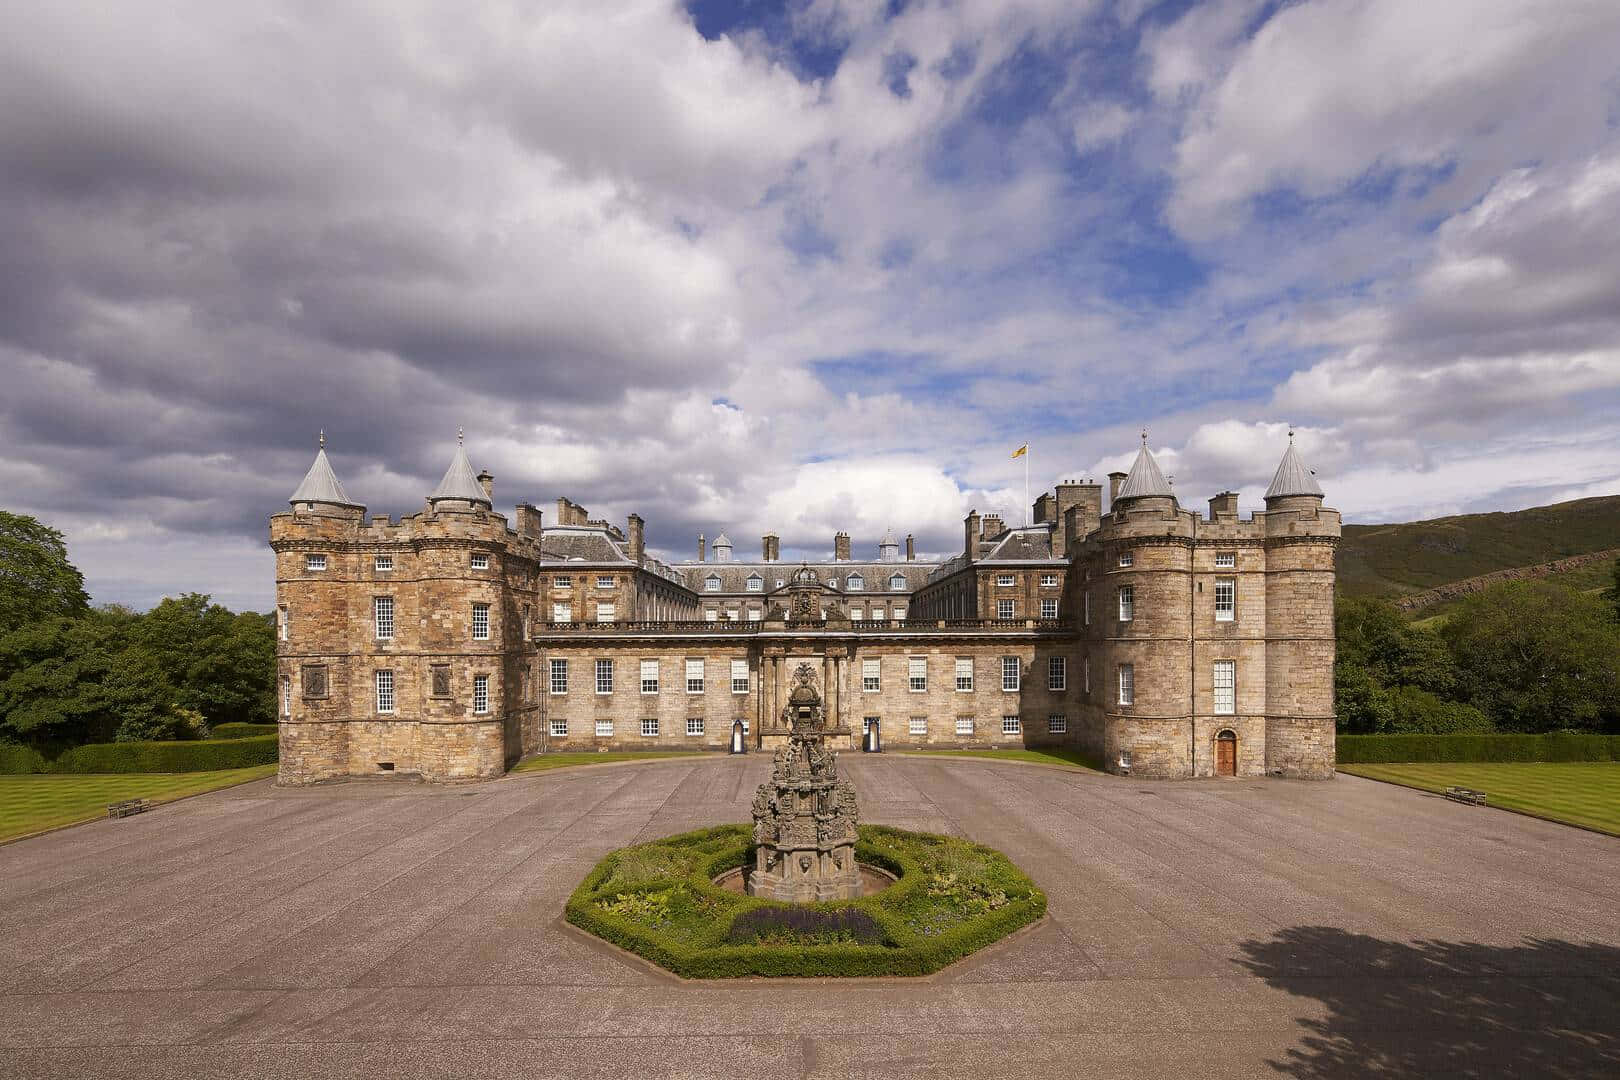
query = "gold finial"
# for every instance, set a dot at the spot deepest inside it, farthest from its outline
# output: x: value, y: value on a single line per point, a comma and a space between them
x: 323, y: 438
x: 1290, y: 433
x: 459, y: 436
x: 1144, y: 436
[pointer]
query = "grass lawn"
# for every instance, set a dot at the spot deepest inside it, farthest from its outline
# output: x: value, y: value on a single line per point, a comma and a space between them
x: 29, y: 804
x: 1056, y: 755
x: 1576, y: 792
x: 590, y: 757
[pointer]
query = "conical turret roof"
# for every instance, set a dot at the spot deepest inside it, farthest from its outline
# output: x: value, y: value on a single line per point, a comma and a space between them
x: 1144, y: 478
x: 321, y: 485
x: 722, y: 541
x: 1292, y: 477
x: 460, y: 482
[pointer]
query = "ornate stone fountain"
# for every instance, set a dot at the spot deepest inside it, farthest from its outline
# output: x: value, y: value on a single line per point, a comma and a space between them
x: 804, y: 816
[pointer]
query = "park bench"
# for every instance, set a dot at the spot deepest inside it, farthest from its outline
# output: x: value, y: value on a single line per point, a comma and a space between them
x: 128, y: 807
x: 1467, y: 795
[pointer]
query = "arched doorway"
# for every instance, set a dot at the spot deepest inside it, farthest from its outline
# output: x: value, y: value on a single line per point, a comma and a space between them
x: 1226, y: 753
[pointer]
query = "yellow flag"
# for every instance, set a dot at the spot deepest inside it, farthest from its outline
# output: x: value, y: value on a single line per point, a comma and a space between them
x: 1021, y: 451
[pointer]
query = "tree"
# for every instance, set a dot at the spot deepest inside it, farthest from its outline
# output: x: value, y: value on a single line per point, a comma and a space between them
x: 53, y: 678
x: 36, y: 580
x: 1612, y: 593
x: 220, y: 664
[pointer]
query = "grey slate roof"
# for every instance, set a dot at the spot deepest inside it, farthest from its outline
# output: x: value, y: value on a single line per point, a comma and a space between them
x: 460, y: 482
x: 734, y: 575
x: 1292, y: 477
x: 1020, y: 544
x: 1145, y: 478
x: 321, y: 485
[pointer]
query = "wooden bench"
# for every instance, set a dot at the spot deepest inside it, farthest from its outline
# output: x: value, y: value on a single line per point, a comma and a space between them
x: 1467, y: 795
x: 128, y: 807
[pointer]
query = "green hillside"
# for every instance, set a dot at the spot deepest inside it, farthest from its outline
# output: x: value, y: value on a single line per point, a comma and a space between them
x: 1411, y: 556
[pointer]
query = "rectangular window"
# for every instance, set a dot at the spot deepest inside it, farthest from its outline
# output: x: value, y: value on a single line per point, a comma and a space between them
x: 559, y: 728
x: 1048, y: 580
x: 1086, y: 599
x: 1087, y: 673
x: 711, y: 615
x: 711, y: 585
x: 604, y: 581
x: 756, y: 584
x: 563, y: 581
x: 1127, y: 603
x: 314, y: 562
x: 733, y: 614
x: 739, y: 676
x: 604, y: 676
x: 562, y: 613
x: 857, y: 614
x: 918, y: 668
x: 694, y: 676
x: 480, y: 694
x: 694, y: 725
x: 1011, y: 725
x: 604, y: 612
x: 877, y: 614
x: 753, y: 614
x: 383, y: 562
x: 559, y: 676
x: 1057, y: 724
x: 964, y: 673
x: 385, y: 691
x: 1225, y: 560
x: 480, y: 561
x: 1127, y: 558
x: 871, y: 676
x: 604, y: 729
x: 1057, y: 673
x: 1127, y: 684
x: 1004, y: 580
x: 1011, y: 675
x: 1225, y: 687
x: 286, y: 695
x: 382, y: 615
x: 897, y: 614
x: 649, y: 726
x: 1225, y: 599
x: 281, y: 622
x: 1004, y: 609
x: 1048, y: 609
x: 964, y: 725
x: 917, y: 725
x: 480, y: 622
x: 649, y: 676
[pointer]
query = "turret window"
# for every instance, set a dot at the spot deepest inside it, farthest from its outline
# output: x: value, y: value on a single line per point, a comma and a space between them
x: 1225, y: 599
x: 281, y: 622
x: 480, y: 561
x: 314, y: 562
x: 1225, y: 687
x: 480, y: 694
x: 382, y: 612
x: 383, y: 563
x: 1127, y: 684
x: 385, y: 691
x: 1225, y: 560
x: 1127, y: 603
x: 286, y: 696
x: 480, y: 622
x: 1127, y: 558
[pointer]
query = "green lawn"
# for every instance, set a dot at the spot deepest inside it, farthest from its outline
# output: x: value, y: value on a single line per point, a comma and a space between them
x: 29, y: 804
x: 1575, y: 792
x: 590, y: 757
x: 1055, y: 755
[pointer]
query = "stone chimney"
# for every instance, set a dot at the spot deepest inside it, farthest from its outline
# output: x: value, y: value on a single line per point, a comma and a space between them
x: 1045, y: 509
x: 970, y: 536
x: 1116, y: 480
x: 1087, y: 495
x: 992, y: 525
x: 703, y: 547
x: 841, y: 546
x: 486, y: 480
x: 528, y: 520
x: 911, y: 548
x: 637, y: 547
x: 1223, y: 505
x: 1067, y: 538
x: 770, y: 547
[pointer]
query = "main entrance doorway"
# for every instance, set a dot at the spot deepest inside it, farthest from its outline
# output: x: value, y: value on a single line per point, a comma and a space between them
x: 1226, y: 753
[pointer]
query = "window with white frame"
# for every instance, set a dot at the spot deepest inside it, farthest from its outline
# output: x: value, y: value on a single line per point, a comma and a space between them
x: 605, y: 612
x: 604, y: 581
x: 1086, y: 602
x: 711, y: 583
x: 754, y: 614
x: 559, y: 727
x: 604, y: 676
x: 314, y: 562
x: 856, y: 583
x: 649, y: 676
x: 917, y: 725
x: 563, y: 581
x: 917, y: 666
x: 385, y: 691
x: 1057, y: 672
x: 382, y: 563
x: 281, y: 622
x: 1011, y: 673
x: 857, y: 614
x: 1225, y: 687
x: 562, y: 613
x: 604, y: 729
x: 649, y: 726
x: 780, y: 583
x: 964, y: 725
x: 480, y: 694
x: 744, y: 720
x: 480, y: 561
x: 1127, y: 558
x: 1004, y: 580
x: 1127, y: 603
x: 1011, y: 724
x: 871, y: 676
x: 480, y: 622
x: 694, y: 676
x: 711, y: 615
x: 739, y: 676
x: 1048, y: 609
x: 1225, y: 560
x: 1086, y: 674
x: 1127, y: 684
x: 559, y: 676
x: 964, y: 674
x: 733, y: 614
x: 756, y: 583
x: 1057, y: 724
x: 1225, y: 599
x: 382, y: 616
x: 877, y: 614
x: 897, y: 583
x: 286, y: 695
x: 1048, y: 580
x: 1004, y: 609
x: 897, y: 613
x: 694, y: 725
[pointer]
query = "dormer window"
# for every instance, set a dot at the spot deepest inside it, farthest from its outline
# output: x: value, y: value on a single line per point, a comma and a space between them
x: 856, y: 583
x: 756, y: 583
x: 897, y: 583
x: 711, y: 583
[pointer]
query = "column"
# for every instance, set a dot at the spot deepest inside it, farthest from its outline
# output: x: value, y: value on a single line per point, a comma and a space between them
x: 779, y: 698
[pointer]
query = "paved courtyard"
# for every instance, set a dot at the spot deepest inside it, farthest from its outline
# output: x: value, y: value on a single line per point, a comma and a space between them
x: 1196, y: 929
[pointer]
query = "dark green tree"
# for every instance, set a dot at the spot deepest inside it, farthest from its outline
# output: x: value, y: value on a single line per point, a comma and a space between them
x: 36, y: 580
x: 53, y: 678
x: 220, y: 664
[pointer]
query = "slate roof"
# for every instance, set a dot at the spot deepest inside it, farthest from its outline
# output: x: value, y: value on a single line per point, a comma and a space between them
x: 1292, y: 477
x: 592, y: 546
x: 1020, y: 544
x: 321, y: 485
x: 734, y: 575
x: 460, y: 482
x: 1145, y: 478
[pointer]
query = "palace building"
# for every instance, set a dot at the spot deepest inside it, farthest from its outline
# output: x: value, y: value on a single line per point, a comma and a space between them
x: 1164, y: 642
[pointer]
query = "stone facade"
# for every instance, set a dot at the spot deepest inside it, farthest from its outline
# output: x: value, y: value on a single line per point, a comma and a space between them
x: 449, y: 644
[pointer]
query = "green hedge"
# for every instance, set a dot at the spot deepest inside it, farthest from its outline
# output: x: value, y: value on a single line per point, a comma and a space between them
x: 202, y: 755
x: 16, y: 760
x: 240, y: 731
x: 929, y: 918
x: 1378, y: 749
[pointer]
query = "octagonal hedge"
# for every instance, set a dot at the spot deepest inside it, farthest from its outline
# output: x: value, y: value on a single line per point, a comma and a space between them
x: 951, y: 897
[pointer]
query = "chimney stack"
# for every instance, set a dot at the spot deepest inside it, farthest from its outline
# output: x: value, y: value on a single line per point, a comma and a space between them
x: 1045, y: 509
x: 528, y: 520
x: 1067, y: 538
x: 486, y: 480
x: 911, y: 548
x: 637, y: 539
x: 1116, y: 480
x: 970, y: 536
x: 771, y: 547
x: 703, y: 547
x: 841, y: 546
x: 992, y: 525
x: 1223, y: 505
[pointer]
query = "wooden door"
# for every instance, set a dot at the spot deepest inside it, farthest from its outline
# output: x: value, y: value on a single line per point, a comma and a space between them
x: 1226, y: 754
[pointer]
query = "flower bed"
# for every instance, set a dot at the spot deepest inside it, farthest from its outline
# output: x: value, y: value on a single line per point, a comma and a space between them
x: 658, y: 900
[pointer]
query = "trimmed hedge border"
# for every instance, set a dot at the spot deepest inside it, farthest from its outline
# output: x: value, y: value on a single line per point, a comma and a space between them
x: 1397, y: 749
x: 238, y: 730
x: 200, y: 755
x: 905, y: 952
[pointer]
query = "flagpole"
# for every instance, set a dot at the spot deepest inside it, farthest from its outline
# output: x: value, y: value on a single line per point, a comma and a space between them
x: 1026, y: 483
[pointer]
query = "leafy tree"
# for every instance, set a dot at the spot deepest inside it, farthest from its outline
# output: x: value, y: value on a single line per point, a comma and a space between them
x: 53, y: 676
x: 220, y: 664
x: 140, y: 697
x: 36, y: 580
x: 1421, y: 713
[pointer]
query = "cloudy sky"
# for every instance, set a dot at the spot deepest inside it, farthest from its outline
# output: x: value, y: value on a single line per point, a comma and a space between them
x: 806, y: 266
